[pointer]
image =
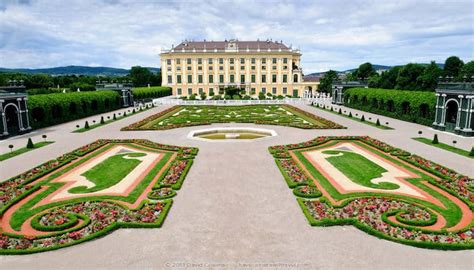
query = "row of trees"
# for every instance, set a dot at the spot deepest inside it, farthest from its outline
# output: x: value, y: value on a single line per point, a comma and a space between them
x: 44, y: 83
x: 419, y: 77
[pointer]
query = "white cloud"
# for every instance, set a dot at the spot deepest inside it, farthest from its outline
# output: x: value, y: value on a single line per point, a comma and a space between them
x: 332, y: 35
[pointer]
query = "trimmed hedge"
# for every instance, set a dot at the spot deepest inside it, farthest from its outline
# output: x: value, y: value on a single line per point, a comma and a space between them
x: 51, y: 109
x: 151, y: 92
x: 412, y: 106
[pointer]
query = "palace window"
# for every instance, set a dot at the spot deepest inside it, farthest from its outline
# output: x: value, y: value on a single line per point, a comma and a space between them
x: 211, y: 79
x: 199, y: 67
x: 180, y: 91
x: 209, y: 61
x: 253, y: 67
x: 178, y: 78
x: 188, y: 61
x: 190, y: 91
x: 190, y: 78
x: 252, y: 91
x: 285, y: 78
x: 264, y: 67
x: 274, y: 90
x: 232, y: 78
x: 221, y: 67
x: 285, y: 60
x: 221, y: 61
x: 253, y: 78
x: 264, y: 90
x: 221, y: 78
x: 189, y: 68
x: 253, y: 61
x: 285, y: 67
x: 242, y: 61
x: 264, y: 78
x: 199, y: 78
x: 274, y: 78
x: 200, y: 91
x: 199, y: 61
x: 264, y: 60
x: 242, y: 67
x: 178, y: 68
x: 170, y: 79
x: 274, y: 67
x: 242, y: 78
x: 231, y: 60
x: 168, y: 61
x: 231, y: 67
x: 274, y: 61
x: 178, y: 61
x: 285, y: 90
x: 210, y: 67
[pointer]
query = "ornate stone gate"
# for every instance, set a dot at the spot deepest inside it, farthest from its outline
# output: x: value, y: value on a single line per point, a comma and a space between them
x: 455, y: 107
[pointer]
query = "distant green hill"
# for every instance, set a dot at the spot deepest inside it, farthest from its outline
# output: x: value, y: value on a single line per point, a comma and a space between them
x: 75, y: 70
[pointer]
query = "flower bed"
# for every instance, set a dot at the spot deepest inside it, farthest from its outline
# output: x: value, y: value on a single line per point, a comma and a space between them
x: 398, y: 218
x: 72, y: 221
x: 161, y: 194
x: 370, y: 214
x: 177, y: 117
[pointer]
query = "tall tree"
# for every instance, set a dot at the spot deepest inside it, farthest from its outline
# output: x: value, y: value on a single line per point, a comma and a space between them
x: 141, y: 76
x: 429, y: 78
x: 452, y: 66
x: 326, y: 81
x: 365, y: 71
x: 467, y: 71
x: 388, y: 79
x: 408, y: 77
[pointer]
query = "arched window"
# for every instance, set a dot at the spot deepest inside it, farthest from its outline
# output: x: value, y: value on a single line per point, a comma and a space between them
x: 390, y: 105
x: 424, y: 110
x: 295, y: 78
x: 405, y: 107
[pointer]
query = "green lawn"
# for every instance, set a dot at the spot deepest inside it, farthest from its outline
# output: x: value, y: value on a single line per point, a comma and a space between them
x: 367, y: 122
x: 444, y: 146
x: 23, y: 150
x: 243, y: 136
x: 258, y: 114
x: 109, y: 172
x: 109, y: 121
x: 359, y: 169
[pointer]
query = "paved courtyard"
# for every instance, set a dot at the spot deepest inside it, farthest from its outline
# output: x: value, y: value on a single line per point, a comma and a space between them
x: 235, y: 208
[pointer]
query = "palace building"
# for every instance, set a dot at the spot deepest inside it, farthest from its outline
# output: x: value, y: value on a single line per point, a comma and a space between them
x: 196, y: 67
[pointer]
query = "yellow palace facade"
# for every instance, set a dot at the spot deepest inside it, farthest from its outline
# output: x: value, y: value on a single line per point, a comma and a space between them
x: 194, y: 67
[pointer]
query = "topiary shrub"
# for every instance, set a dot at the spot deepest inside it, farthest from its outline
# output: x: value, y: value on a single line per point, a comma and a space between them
x: 114, y: 117
x: 362, y: 119
x: 378, y: 122
x: 340, y: 111
x: 86, y: 125
x: 435, y: 139
x: 102, y: 120
x: 30, y: 144
x: 350, y: 114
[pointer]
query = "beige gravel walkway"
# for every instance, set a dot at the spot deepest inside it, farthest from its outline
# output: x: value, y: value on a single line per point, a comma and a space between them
x: 235, y: 208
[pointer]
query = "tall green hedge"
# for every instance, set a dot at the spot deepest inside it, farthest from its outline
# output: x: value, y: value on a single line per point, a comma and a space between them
x: 152, y: 92
x: 51, y: 109
x: 413, y: 106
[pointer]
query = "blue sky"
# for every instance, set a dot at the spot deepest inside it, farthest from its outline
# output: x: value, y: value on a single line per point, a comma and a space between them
x: 331, y: 34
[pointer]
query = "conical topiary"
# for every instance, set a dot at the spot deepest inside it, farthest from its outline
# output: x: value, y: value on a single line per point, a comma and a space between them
x: 471, y: 154
x: 362, y: 119
x: 30, y: 144
x: 435, y: 139
x: 114, y: 117
x: 86, y: 125
x: 378, y: 122
x: 340, y: 111
x: 102, y: 120
x: 350, y: 114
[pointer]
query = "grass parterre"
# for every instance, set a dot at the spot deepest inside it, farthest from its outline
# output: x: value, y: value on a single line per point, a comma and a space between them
x: 425, y: 204
x: 183, y: 116
x: 77, y: 197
